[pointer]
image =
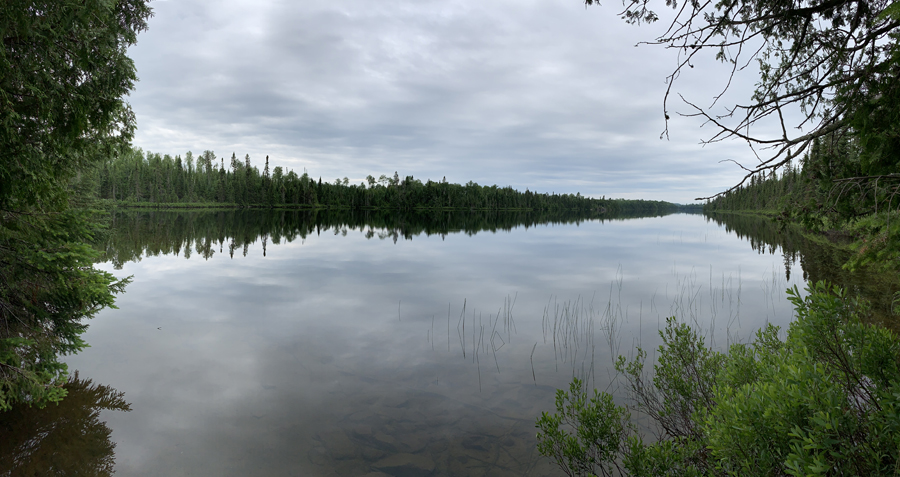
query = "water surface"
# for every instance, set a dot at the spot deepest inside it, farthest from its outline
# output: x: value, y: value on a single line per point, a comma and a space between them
x: 279, y: 343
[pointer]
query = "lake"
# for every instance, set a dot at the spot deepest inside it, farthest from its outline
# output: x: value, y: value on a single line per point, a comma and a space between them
x: 295, y: 343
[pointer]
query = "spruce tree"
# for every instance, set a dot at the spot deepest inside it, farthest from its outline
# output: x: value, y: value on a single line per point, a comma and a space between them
x: 64, y: 72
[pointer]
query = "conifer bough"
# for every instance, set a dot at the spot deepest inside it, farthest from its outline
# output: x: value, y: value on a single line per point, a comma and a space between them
x: 64, y: 72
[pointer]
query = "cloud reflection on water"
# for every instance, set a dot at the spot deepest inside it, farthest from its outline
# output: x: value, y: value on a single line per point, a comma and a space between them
x: 321, y: 357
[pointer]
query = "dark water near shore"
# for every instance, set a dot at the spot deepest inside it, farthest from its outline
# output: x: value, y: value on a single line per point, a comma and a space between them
x: 289, y: 343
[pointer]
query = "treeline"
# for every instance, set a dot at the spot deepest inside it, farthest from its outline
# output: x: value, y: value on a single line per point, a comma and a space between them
x: 134, y: 234
x: 836, y: 189
x: 832, y: 182
x: 771, y: 192
x: 134, y: 177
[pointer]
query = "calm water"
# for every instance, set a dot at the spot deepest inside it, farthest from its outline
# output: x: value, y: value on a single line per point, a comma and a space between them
x: 278, y: 344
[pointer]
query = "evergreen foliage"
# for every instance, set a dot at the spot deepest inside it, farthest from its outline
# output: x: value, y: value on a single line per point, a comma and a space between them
x: 134, y: 177
x: 63, y: 73
x: 831, y: 192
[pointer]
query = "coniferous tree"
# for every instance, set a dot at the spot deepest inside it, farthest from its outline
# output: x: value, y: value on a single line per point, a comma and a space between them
x: 64, y: 72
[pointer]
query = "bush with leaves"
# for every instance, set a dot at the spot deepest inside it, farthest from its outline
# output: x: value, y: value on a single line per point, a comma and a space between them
x: 823, y: 401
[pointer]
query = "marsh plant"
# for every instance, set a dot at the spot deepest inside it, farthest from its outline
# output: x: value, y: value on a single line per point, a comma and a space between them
x: 823, y: 400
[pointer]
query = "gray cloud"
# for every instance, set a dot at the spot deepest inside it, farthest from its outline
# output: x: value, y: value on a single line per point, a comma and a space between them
x: 544, y: 95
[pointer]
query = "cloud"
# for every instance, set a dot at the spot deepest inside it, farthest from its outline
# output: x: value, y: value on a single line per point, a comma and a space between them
x: 544, y: 95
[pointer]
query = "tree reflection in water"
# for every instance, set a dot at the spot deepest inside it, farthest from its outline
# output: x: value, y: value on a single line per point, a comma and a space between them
x: 818, y: 260
x: 65, y: 438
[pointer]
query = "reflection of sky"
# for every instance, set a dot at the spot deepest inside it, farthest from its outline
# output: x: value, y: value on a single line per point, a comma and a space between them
x: 234, y: 365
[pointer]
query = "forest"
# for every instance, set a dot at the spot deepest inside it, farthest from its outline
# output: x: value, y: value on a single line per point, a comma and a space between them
x: 832, y: 193
x: 819, y: 398
x: 137, y: 178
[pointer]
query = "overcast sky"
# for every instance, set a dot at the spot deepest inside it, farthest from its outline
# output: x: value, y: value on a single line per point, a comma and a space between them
x: 539, y: 94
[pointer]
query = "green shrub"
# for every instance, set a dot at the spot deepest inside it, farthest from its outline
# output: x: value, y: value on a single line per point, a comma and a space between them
x: 823, y: 401
x: 597, y: 429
